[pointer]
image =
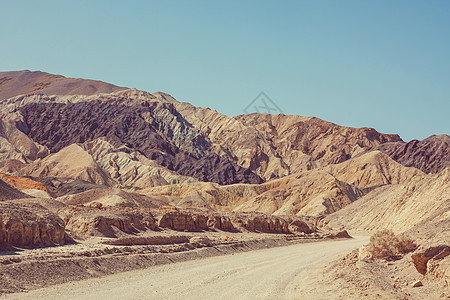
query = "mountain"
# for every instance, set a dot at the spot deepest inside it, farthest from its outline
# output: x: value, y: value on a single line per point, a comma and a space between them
x: 130, y: 120
x: 371, y: 169
x: 274, y: 146
x: 430, y: 155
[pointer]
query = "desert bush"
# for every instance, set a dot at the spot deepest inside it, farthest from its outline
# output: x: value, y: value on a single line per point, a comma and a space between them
x: 405, y: 245
x: 386, y: 245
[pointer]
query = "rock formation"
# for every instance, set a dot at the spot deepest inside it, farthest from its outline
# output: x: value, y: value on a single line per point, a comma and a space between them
x: 29, y: 225
x: 421, y: 258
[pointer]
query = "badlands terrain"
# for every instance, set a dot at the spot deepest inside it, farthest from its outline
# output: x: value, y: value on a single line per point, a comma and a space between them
x: 97, y: 179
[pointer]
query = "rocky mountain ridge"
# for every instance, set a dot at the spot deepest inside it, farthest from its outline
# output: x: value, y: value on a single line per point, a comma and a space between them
x: 82, y: 138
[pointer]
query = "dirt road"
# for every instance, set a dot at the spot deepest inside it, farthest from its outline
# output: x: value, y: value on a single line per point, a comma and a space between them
x: 276, y: 273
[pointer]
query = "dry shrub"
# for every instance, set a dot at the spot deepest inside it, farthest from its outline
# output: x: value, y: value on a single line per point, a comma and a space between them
x: 386, y: 245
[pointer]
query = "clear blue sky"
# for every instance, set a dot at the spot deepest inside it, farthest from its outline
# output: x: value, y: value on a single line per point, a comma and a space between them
x: 381, y: 64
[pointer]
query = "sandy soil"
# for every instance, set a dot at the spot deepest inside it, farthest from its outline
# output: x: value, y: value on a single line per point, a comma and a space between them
x: 289, y: 272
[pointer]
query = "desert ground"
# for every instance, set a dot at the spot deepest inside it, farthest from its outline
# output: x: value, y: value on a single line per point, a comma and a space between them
x: 289, y: 272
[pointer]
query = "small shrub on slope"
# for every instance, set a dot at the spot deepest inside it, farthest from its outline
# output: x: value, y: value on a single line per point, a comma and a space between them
x: 386, y: 245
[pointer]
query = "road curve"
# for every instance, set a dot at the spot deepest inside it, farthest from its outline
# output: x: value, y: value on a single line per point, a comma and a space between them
x: 275, y: 273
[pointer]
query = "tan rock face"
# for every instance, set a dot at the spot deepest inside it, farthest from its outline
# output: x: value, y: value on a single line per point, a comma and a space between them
x: 177, y: 221
x: 183, y: 221
x: 30, y: 225
x: 84, y: 222
x: 261, y: 223
x: 220, y: 222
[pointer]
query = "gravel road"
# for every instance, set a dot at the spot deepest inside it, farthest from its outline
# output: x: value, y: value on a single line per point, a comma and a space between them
x: 276, y: 273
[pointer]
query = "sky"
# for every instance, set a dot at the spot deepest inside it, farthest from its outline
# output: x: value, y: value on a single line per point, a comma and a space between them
x: 380, y: 64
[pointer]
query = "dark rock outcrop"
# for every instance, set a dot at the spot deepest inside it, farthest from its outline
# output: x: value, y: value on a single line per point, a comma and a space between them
x: 140, y: 128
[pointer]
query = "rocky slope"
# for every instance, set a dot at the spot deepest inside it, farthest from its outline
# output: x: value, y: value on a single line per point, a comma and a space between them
x: 138, y: 125
x: 401, y: 207
x: 315, y: 192
x: 278, y: 145
x: 430, y: 155
x: 373, y: 169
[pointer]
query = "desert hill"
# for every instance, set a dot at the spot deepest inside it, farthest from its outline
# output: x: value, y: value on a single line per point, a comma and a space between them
x: 371, y: 169
x: 400, y: 207
x: 154, y: 129
x: 27, y: 82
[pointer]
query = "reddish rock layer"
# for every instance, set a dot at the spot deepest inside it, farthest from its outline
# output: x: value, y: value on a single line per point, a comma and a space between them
x: 23, y: 183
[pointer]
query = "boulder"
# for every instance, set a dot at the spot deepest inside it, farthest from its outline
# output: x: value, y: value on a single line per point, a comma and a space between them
x: 299, y: 226
x: 200, y: 240
x: 364, y: 254
x: 416, y: 283
x: 420, y: 259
